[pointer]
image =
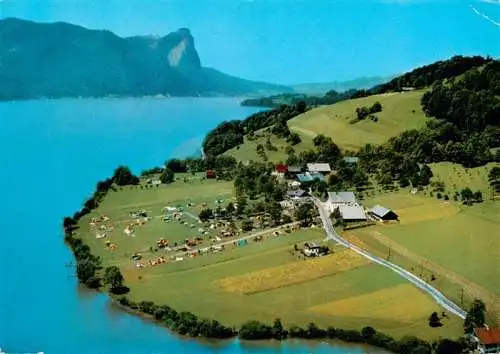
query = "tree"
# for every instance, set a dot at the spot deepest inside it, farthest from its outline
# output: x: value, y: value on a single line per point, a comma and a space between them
x: 425, y: 175
x: 294, y: 138
x: 113, y: 277
x: 434, y: 320
x: 478, y: 197
x: 467, y: 195
x: 230, y: 208
x: 123, y: 176
x: 247, y: 225
x: 167, y: 176
x: 305, y: 213
x: 176, y: 165
x: 206, y: 214
x: 277, y: 330
x: 241, y: 204
x: 494, y: 178
x: 448, y: 346
x: 274, y: 210
x: 475, y: 317
x: 376, y: 107
x: 368, y: 332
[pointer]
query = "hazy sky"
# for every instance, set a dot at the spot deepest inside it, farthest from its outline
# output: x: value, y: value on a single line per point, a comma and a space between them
x: 292, y: 41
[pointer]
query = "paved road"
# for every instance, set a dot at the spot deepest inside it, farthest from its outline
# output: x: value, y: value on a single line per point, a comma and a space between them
x: 443, y: 301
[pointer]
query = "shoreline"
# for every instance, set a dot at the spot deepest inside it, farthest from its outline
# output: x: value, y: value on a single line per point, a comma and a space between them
x: 209, y: 330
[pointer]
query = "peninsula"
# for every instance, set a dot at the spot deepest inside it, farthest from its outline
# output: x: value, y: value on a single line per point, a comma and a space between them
x: 368, y: 220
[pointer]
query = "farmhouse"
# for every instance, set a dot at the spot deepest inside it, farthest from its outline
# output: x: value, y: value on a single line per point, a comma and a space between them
x: 488, y: 339
x: 156, y: 182
x: 309, y: 177
x: 296, y: 193
x: 210, y: 174
x: 294, y: 170
x: 336, y: 199
x: 383, y: 214
x: 347, y: 204
x: 319, y: 167
x: 280, y: 170
x: 352, y: 213
x: 313, y: 250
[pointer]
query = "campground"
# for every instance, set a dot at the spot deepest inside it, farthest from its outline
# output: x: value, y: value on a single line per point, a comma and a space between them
x: 260, y: 279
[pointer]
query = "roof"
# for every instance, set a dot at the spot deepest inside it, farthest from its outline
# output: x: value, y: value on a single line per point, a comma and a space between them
x: 318, y: 167
x: 488, y: 335
x: 316, y: 175
x: 379, y: 210
x: 302, y: 177
x: 295, y: 168
x: 281, y: 168
x: 313, y: 245
x: 341, y: 197
x: 295, y: 193
x: 309, y: 177
x: 352, y: 212
x: 351, y: 159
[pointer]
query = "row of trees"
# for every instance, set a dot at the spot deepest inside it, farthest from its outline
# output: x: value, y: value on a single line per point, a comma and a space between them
x: 88, y: 265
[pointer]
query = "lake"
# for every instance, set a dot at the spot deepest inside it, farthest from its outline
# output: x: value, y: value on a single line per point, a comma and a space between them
x: 52, y: 154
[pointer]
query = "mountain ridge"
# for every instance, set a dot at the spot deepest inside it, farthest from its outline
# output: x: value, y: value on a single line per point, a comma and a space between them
x: 61, y: 59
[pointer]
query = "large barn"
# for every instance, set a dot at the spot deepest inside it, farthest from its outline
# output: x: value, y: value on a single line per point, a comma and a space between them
x: 381, y: 213
x: 347, y: 204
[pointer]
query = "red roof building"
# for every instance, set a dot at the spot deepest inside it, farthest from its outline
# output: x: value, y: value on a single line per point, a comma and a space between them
x: 210, y: 174
x: 488, y: 339
x: 281, y: 168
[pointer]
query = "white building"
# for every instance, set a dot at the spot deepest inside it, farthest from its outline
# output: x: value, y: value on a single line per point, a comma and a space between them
x: 347, y: 204
x: 319, y: 167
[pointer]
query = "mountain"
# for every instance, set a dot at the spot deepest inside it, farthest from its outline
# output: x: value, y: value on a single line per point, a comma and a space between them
x: 340, y: 86
x: 65, y: 60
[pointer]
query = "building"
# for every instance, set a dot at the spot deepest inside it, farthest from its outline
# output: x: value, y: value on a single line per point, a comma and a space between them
x: 351, y: 160
x: 336, y: 199
x: 313, y: 250
x: 488, y: 339
x: 348, y: 206
x: 210, y: 174
x: 296, y: 193
x: 309, y: 177
x: 352, y: 213
x: 319, y: 168
x: 156, y: 182
x: 280, y: 170
x: 381, y: 213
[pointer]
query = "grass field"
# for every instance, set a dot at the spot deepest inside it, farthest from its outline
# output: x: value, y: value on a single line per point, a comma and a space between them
x: 458, y: 242
x: 292, y: 273
x: 457, y: 177
x: 401, y: 111
x: 118, y: 205
x: 247, y: 151
x: 260, y: 280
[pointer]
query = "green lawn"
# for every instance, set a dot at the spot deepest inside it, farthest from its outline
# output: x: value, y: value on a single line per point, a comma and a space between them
x: 247, y: 151
x: 401, y: 111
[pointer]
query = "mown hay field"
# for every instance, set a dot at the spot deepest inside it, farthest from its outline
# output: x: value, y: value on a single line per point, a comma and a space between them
x: 292, y: 273
x: 400, y: 112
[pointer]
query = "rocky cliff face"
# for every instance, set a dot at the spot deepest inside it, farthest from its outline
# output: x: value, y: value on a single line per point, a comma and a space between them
x: 60, y: 59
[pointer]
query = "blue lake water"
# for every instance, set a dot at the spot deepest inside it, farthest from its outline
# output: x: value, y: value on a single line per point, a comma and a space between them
x: 52, y: 152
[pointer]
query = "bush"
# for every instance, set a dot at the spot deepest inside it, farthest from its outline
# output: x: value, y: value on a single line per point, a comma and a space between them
x: 439, y: 195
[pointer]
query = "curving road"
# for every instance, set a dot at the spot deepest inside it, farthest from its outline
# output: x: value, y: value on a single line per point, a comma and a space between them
x: 442, y: 300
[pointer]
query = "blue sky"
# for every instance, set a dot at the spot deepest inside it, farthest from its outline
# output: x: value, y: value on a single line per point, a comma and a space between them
x: 293, y: 41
